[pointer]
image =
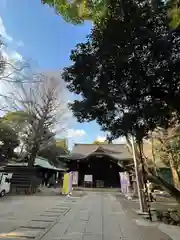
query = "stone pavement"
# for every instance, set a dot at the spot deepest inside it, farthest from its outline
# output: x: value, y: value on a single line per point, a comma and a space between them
x: 19, y: 212
x: 96, y: 216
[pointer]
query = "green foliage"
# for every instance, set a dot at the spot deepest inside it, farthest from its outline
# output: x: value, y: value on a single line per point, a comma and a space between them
x: 18, y: 116
x: 77, y: 11
x: 52, y: 152
x: 175, y: 17
x: 174, y: 13
x: 127, y: 74
x: 62, y: 143
x: 168, y: 147
x: 125, y: 70
x: 8, y: 141
x: 18, y: 120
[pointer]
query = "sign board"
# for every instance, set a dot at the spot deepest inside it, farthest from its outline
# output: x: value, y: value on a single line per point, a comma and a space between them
x: 88, y: 178
x: 74, y: 178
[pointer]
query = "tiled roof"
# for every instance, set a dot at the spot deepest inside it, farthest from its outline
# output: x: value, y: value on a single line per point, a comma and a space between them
x: 117, y: 151
x: 39, y: 161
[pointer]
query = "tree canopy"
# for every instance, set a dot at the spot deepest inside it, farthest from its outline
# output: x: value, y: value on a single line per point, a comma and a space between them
x: 127, y: 72
x: 17, y: 119
x: 62, y: 143
x: 40, y: 107
x: 17, y: 116
x: 8, y: 142
x: 77, y: 11
x: 52, y: 152
x: 174, y: 13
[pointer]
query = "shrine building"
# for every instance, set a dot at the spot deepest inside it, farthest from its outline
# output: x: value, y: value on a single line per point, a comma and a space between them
x: 99, y: 165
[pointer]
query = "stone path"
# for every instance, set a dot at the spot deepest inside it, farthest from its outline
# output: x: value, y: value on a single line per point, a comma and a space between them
x: 96, y: 216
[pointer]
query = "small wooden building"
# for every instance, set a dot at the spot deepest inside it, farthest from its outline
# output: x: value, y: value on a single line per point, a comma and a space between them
x: 25, y: 178
x: 100, y: 162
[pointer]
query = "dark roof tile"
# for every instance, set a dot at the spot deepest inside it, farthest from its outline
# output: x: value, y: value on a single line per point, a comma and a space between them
x: 117, y: 151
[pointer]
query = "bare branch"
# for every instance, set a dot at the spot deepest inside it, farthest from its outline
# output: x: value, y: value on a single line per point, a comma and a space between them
x: 46, y: 108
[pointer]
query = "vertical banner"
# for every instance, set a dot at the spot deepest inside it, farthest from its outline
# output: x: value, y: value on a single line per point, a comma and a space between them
x: 75, y: 178
x: 122, y: 181
x: 70, y: 182
x: 65, y: 183
x: 126, y: 182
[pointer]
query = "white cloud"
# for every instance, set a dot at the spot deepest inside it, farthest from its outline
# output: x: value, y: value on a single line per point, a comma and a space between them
x: 20, y: 44
x: 100, y: 139
x: 119, y: 140
x: 71, y: 133
x: 16, y: 56
x: 12, y: 57
x: 9, y: 55
x: 3, y: 32
x: 6, y: 36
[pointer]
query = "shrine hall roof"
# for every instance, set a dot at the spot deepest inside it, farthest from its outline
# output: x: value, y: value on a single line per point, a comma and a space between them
x: 116, y: 151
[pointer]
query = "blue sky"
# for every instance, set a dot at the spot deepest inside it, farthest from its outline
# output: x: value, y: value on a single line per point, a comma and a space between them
x: 36, y: 33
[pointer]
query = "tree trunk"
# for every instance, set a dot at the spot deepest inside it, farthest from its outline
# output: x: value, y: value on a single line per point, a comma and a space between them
x: 33, y: 155
x: 143, y: 179
x: 153, y: 154
x: 134, y: 187
x: 174, y: 192
x: 135, y: 191
x: 175, y: 177
x: 145, y: 206
x: 174, y: 172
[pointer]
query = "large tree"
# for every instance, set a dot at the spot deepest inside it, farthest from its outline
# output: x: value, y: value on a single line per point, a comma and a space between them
x: 127, y: 73
x: 42, y: 105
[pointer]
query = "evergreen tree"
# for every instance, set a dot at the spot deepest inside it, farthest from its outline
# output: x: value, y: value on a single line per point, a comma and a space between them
x: 127, y: 72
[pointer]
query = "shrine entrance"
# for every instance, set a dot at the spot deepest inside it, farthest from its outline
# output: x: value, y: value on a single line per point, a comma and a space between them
x: 103, y: 169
